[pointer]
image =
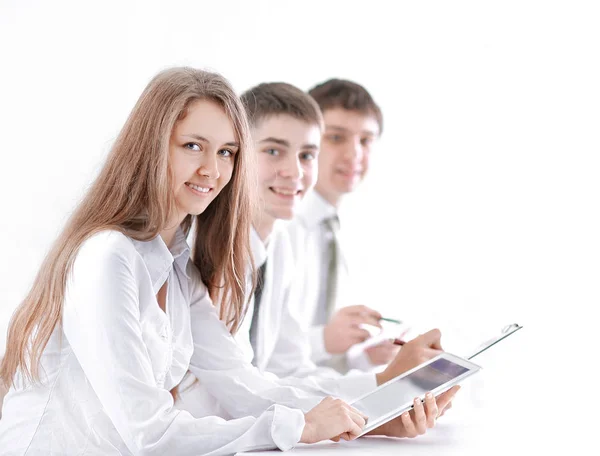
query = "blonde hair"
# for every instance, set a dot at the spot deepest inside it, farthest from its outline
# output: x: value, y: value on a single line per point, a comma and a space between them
x: 133, y: 194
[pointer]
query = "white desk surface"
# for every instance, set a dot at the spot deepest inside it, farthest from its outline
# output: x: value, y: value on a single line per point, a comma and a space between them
x: 502, y: 410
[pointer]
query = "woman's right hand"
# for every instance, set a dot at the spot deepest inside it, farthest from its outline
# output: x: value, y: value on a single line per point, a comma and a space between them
x: 332, y: 419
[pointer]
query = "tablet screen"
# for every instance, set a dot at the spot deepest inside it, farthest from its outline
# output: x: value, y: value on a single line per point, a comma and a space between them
x: 387, y: 399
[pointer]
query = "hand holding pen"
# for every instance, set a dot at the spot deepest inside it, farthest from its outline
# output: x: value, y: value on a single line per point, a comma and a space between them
x: 397, y: 340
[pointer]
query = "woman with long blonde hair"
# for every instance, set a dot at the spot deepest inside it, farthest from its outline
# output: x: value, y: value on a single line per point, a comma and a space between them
x: 120, y: 310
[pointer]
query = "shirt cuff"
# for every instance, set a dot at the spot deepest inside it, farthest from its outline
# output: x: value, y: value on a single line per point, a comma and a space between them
x: 354, y: 385
x: 287, y: 427
x: 317, y: 344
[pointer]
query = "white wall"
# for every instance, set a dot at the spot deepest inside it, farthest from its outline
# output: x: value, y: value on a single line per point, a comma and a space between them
x: 482, y: 204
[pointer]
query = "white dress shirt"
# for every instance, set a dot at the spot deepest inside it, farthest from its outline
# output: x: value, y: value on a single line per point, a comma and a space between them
x: 283, y: 344
x: 310, y: 239
x: 283, y: 353
x: 107, y: 370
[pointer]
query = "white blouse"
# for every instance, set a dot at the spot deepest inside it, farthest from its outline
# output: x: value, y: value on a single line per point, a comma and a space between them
x: 283, y: 348
x: 107, y: 370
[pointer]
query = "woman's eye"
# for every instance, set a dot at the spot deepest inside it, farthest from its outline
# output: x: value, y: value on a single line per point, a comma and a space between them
x: 226, y: 153
x: 192, y: 146
x: 366, y: 141
x: 307, y: 156
x: 273, y: 152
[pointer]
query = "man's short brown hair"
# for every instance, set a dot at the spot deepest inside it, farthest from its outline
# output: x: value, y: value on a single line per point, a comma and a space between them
x: 275, y: 98
x: 341, y: 93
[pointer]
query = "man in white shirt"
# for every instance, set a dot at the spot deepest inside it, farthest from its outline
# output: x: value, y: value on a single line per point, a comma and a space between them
x: 286, y: 126
x: 353, y: 122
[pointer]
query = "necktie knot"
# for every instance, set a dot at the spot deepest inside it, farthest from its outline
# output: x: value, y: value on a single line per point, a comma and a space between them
x: 333, y: 224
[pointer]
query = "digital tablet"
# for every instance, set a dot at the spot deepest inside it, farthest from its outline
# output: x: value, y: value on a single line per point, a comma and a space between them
x: 396, y: 396
x: 504, y: 333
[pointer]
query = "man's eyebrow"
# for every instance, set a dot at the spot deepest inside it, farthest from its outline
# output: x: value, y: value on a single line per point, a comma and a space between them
x: 310, y: 146
x: 335, y: 127
x: 345, y: 130
x: 281, y: 142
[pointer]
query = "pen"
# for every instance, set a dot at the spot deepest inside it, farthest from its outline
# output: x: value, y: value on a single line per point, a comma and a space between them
x: 391, y: 320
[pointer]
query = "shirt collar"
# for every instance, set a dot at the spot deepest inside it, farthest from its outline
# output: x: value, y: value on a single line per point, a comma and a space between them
x: 259, y: 249
x: 315, y: 209
x: 159, y: 259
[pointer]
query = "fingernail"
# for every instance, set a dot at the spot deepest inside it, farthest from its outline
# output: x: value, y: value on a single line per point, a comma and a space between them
x: 429, y: 396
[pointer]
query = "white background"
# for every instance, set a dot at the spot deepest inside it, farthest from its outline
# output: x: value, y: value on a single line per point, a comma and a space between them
x: 482, y: 205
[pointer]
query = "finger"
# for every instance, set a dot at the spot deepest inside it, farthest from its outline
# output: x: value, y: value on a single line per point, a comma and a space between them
x: 336, y: 439
x: 373, y: 313
x: 383, y: 348
x: 431, y: 410
x: 355, y: 426
x: 354, y: 419
x: 444, y: 399
x: 356, y: 411
x: 419, y: 416
x: 448, y: 407
x: 353, y: 310
x: 408, y: 424
x: 389, y: 343
x: 359, y: 421
x: 432, y: 338
x: 364, y: 311
x: 363, y: 319
x: 359, y: 335
x: 373, y: 320
x: 387, y: 349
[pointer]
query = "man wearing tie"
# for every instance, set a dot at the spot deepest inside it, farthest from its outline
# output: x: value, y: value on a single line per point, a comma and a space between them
x: 286, y: 126
x: 353, y: 123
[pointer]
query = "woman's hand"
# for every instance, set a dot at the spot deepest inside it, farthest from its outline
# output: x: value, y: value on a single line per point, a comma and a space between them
x: 422, y: 417
x: 332, y: 419
x: 413, y: 353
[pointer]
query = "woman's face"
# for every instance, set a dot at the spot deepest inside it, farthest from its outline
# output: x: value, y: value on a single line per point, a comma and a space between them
x: 202, y: 152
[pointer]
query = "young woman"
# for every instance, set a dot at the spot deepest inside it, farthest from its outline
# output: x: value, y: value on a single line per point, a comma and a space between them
x: 106, y: 331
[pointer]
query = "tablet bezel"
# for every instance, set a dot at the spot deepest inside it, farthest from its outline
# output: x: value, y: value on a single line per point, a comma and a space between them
x: 373, y: 423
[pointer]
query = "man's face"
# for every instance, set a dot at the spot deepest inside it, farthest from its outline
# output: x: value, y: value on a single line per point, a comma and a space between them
x: 345, y: 150
x: 287, y: 150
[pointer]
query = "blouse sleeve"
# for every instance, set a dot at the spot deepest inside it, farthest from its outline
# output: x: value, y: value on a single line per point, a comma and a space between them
x: 222, y: 368
x: 101, y: 321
